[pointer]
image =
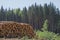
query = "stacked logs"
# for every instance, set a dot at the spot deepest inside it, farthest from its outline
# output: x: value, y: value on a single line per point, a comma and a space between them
x: 14, y: 29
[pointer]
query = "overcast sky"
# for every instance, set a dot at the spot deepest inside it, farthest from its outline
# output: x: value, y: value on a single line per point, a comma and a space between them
x: 22, y: 3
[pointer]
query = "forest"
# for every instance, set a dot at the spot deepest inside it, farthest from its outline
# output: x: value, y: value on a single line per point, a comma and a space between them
x: 35, y: 15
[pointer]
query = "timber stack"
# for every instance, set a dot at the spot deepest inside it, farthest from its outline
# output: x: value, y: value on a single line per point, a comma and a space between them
x: 9, y: 29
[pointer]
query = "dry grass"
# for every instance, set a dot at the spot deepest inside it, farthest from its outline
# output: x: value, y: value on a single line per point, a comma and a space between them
x: 9, y: 39
x: 19, y: 39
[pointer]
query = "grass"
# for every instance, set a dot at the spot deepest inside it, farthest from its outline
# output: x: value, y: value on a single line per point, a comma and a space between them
x: 48, y: 35
x: 40, y: 36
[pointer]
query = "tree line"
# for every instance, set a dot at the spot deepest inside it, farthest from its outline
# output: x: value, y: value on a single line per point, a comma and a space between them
x: 35, y: 15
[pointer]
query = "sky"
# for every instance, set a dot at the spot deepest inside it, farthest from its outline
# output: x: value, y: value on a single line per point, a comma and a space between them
x: 22, y: 3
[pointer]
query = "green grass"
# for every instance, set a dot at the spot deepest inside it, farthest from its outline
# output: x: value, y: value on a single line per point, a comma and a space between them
x: 48, y: 35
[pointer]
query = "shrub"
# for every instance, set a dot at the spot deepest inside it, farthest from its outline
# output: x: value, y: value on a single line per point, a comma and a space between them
x: 48, y: 35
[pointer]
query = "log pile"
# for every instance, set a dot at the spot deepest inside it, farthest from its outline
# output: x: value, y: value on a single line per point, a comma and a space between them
x: 15, y: 29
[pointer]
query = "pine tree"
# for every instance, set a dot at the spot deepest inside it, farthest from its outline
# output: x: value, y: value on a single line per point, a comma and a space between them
x: 45, y: 25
